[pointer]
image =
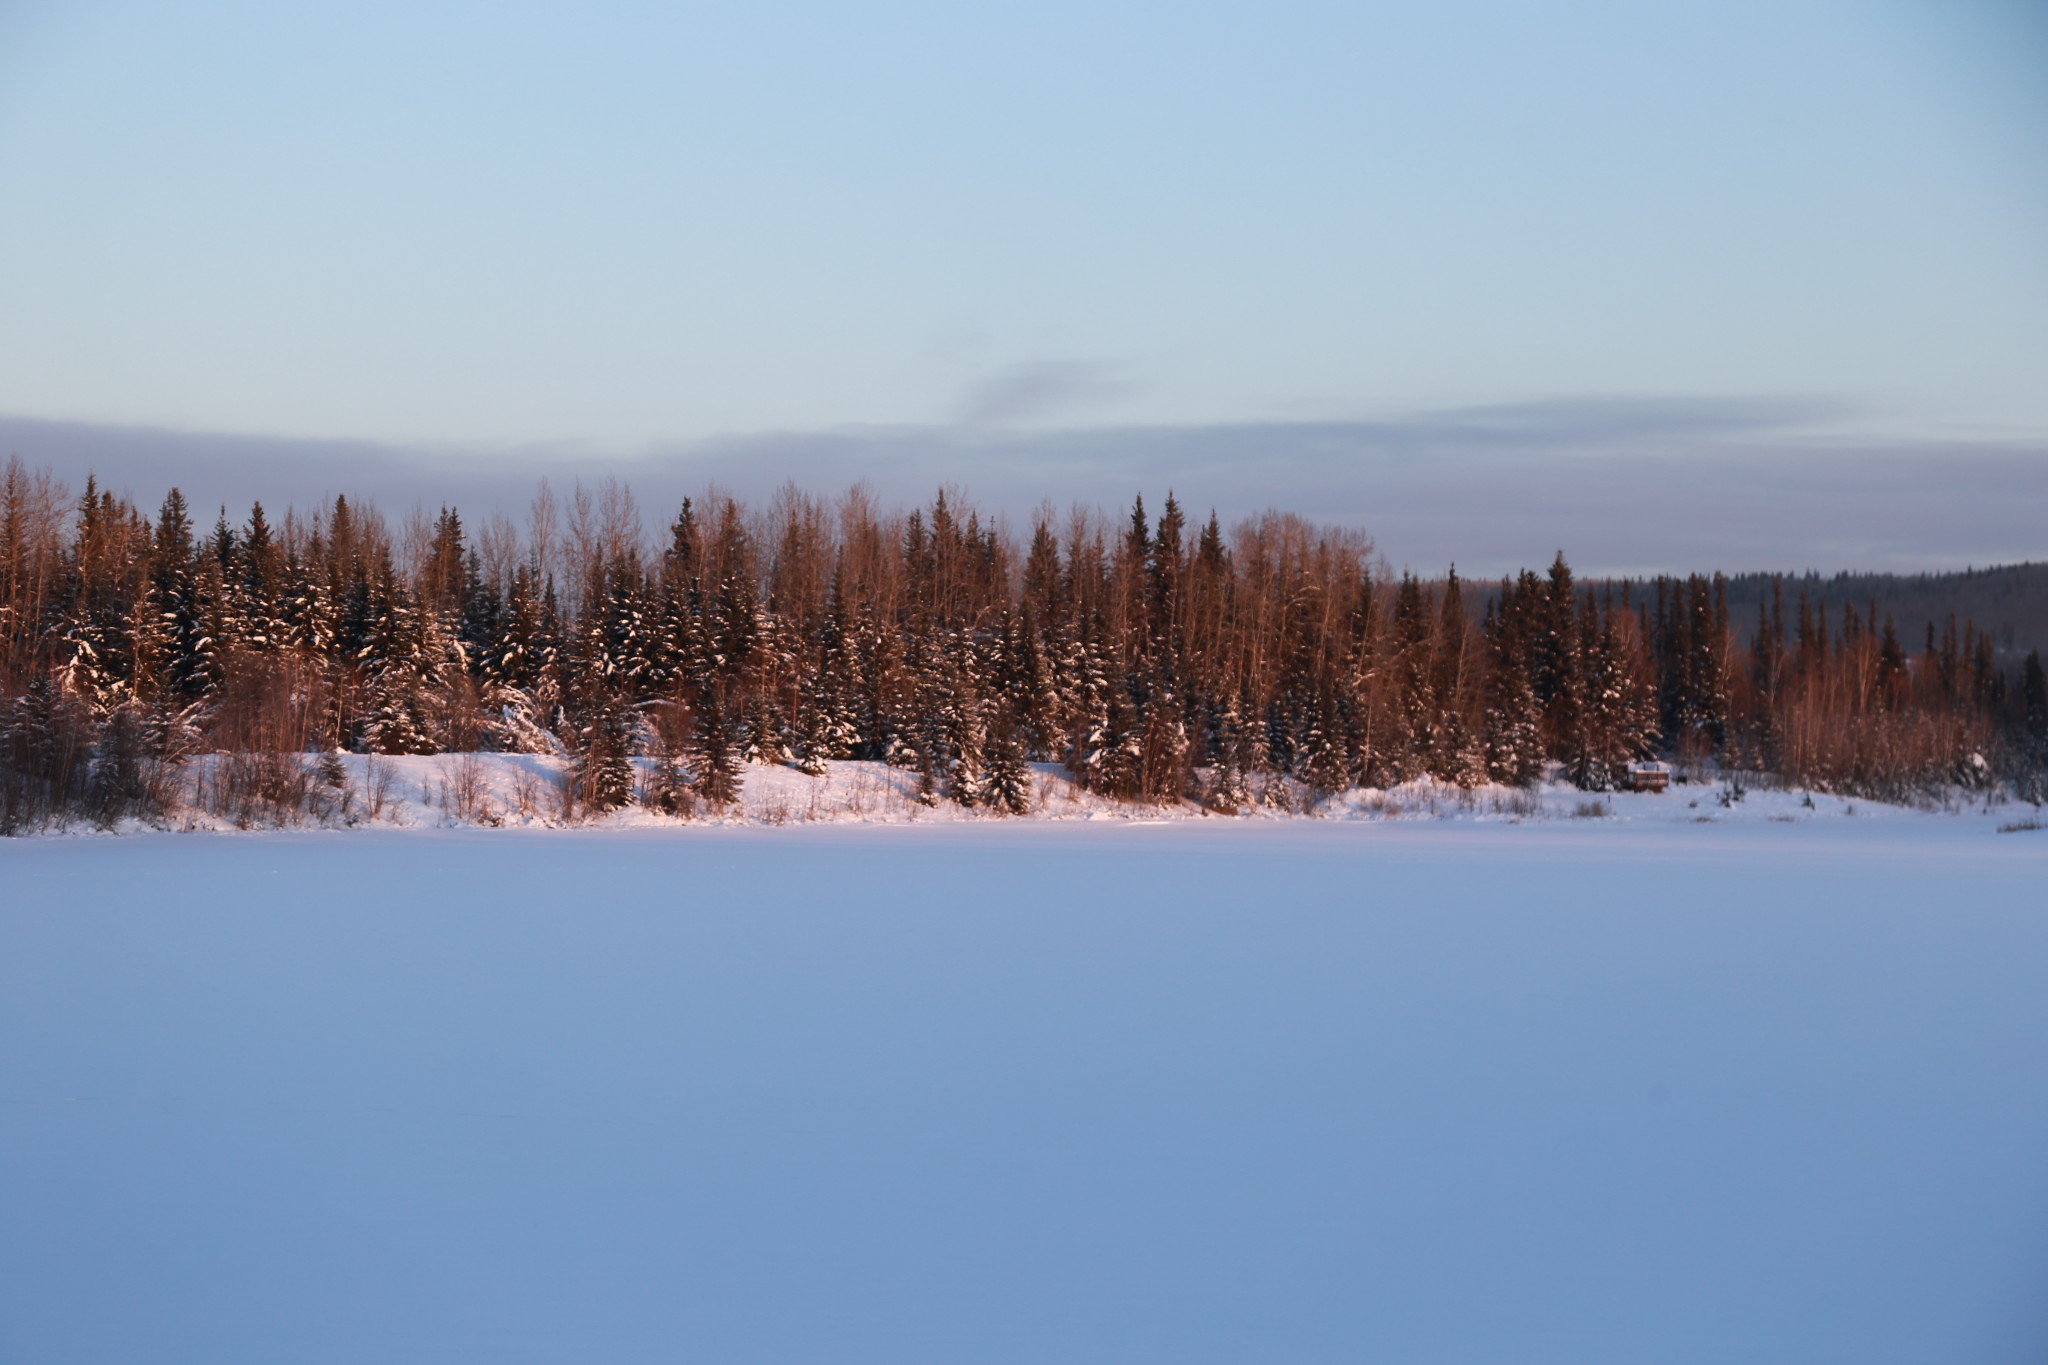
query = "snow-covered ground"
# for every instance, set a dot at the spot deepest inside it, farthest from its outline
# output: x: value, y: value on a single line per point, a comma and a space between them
x: 1578, y: 1090
x: 526, y: 791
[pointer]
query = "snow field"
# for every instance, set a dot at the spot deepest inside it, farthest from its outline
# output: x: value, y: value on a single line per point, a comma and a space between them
x: 1212, y: 1090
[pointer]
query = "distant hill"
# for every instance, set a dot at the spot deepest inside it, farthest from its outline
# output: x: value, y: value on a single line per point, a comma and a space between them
x: 2008, y: 600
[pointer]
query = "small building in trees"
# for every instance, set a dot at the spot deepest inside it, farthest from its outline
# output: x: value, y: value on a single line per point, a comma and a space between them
x: 1648, y: 776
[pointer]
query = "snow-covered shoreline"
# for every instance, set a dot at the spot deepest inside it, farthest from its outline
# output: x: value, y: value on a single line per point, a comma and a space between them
x: 526, y: 791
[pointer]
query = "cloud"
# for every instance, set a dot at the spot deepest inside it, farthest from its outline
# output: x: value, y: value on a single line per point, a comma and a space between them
x: 1597, y: 421
x: 1621, y: 485
x: 1040, y: 389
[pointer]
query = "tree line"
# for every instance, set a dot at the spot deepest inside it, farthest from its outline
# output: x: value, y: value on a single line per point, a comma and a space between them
x: 1158, y: 660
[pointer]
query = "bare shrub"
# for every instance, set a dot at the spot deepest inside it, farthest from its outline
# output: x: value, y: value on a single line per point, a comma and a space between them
x: 1590, y: 810
x: 464, y: 794
x: 1882, y: 755
x: 1381, y: 806
x: 131, y: 777
x: 1517, y: 803
x: 46, y: 749
x: 267, y: 704
x: 466, y: 723
x: 665, y: 783
x: 377, y: 781
x: 526, y: 785
x: 257, y: 789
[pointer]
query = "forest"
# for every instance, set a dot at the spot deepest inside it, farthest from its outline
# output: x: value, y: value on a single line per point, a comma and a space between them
x: 1157, y: 659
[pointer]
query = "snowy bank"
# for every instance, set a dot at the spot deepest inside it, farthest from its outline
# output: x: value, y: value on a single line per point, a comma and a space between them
x: 498, y: 790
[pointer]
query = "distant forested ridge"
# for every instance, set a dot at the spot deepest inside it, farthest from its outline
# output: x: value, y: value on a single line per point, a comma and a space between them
x: 1159, y: 659
x: 2008, y: 602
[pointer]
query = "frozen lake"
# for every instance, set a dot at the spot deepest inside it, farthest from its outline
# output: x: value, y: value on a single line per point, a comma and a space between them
x: 1570, y: 1092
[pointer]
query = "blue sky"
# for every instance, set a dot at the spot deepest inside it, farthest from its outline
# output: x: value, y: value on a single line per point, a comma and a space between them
x: 614, y: 231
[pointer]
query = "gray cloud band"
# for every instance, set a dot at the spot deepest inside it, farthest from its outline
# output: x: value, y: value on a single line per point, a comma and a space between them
x: 1623, y: 486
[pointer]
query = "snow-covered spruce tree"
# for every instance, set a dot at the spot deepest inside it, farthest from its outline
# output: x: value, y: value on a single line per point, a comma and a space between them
x: 1595, y: 753
x: 511, y: 662
x: 812, y: 748
x: 1046, y: 708
x: 97, y: 654
x: 1406, y: 733
x: 481, y: 614
x: 678, y: 659
x: 1113, y: 751
x: 1556, y: 668
x: 668, y: 785
x: 832, y: 686
x: 1695, y: 680
x: 762, y: 736
x: 962, y: 729
x: 1615, y: 725
x: 1513, y: 735
x: 627, y: 627
x: 926, y: 761
x: 520, y: 675
x: 305, y: 610
x: 1009, y: 774
x: 602, y: 773
x: 179, y: 650
x: 263, y: 575
x: 228, y: 611
x: 1456, y: 754
x: 714, y: 757
x: 1089, y: 715
x: 1320, y: 753
x: 99, y: 670
x: 397, y: 657
x: 887, y: 701
x: 1163, y: 761
x: 1235, y: 761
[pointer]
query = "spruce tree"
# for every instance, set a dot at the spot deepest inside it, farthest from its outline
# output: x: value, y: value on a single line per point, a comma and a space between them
x: 1236, y: 760
x: 1891, y: 666
x: 668, y: 785
x: 603, y: 770
x: 1556, y: 665
x: 1513, y: 739
x: 2034, y: 696
x: 925, y: 759
x: 397, y: 657
x: 1413, y: 714
x: 1323, y: 767
x: 179, y: 651
x: 961, y: 730
x: 715, y: 759
x: 1009, y: 775
x: 1453, y: 756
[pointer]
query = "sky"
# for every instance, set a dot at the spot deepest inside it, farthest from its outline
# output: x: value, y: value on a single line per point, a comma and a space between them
x: 1372, y: 262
